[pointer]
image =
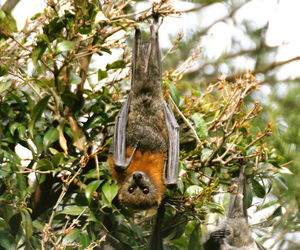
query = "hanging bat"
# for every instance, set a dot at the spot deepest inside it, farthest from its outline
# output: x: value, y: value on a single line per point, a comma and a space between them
x: 235, y: 233
x: 145, y: 148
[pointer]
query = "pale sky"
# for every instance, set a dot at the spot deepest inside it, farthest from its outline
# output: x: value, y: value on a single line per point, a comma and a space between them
x: 283, y: 17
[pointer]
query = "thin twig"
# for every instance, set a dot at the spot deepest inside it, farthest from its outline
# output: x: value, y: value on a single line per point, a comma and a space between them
x: 187, y: 122
x: 122, y: 7
x: 66, y: 183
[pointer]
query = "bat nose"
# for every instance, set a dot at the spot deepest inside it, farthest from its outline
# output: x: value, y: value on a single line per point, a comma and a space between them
x: 137, y: 175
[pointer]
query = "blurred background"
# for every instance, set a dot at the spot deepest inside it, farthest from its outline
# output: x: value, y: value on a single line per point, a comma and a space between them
x: 257, y: 35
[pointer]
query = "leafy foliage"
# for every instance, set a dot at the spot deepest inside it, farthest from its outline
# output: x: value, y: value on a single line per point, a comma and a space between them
x: 61, y: 195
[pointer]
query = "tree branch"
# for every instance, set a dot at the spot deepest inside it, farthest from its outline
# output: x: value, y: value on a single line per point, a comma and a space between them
x: 262, y: 70
x: 9, y: 5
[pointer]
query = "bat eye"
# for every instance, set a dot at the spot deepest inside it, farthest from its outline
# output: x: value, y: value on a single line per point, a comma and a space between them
x: 131, y: 190
x: 146, y: 190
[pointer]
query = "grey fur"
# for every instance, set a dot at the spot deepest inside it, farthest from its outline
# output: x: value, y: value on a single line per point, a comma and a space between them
x: 239, y: 236
x: 145, y: 122
x: 146, y: 119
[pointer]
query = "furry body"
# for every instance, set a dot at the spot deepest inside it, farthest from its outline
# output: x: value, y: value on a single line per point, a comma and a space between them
x: 234, y: 233
x: 145, y: 148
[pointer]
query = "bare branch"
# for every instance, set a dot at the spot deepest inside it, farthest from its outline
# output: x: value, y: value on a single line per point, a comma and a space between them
x: 187, y: 122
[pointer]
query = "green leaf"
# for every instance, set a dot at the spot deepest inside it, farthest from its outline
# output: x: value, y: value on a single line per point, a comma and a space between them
x: 100, y: 17
x: 120, y: 64
x: 251, y: 150
x: 69, y: 98
x: 58, y: 159
x: 242, y: 149
x: 72, y: 210
x: 182, y: 242
x: 265, y: 166
x: 284, y: 170
x: 21, y: 183
x: 193, y: 190
x: 280, y: 183
x: 180, y: 185
x: 64, y: 46
x: 2, y: 15
x: 14, y: 223
x: 85, y: 241
x: 38, y: 225
x: 177, y: 231
x: 7, y: 241
x: 91, y: 188
x: 174, y: 93
x: 195, y: 239
x: 93, y: 122
x: 136, y: 230
x: 17, y: 126
x: 249, y: 197
x: 41, y: 178
x: 37, y: 113
x: 201, y: 128
x: 215, y: 208
x: 71, y: 236
x: 143, y: 25
x: 35, y: 16
x: 11, y: 22
x: 278, y: 158
x: 18, y: 100
x: 37, y: 54
x: 30, y: 102
x: 44, y: 165
x: 3, y: 71
x: 92, y: 217
x: 55, y: 27
x: 85, y: 30
x: 106, y: 50
x: 27, y: 223
x: 216, y: 183
x: 110, y: 191
x: 101, y: 74
x: 38, y: 142
x: 206, y: 152
x: 74, y: 79
x: 108, y: 107
x: 258, y: 189
x: 50, y: 137
x: 277, y: 212
x: 4, y: 86
x: 45, y: 38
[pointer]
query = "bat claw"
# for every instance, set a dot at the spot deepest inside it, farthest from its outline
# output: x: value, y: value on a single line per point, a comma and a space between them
x: 120, y: 167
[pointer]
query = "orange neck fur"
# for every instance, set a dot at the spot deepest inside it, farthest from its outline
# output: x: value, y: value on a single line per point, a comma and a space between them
x: 150, y: 163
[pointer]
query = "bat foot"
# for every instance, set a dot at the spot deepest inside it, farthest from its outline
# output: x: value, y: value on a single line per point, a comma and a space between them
x: 171, y: 186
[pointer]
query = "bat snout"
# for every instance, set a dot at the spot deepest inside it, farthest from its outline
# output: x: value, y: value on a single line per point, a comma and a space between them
x: 141, y: 178
x: 137, y: 175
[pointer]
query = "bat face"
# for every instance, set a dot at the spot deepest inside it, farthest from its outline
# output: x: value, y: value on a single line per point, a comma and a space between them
x: 141, y: 185
x: 140, y: 191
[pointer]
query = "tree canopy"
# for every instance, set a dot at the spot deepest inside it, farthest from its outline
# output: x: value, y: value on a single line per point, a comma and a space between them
x: 58, y: 107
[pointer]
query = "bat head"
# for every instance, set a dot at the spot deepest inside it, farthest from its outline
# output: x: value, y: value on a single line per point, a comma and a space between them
x: 140, y: 192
